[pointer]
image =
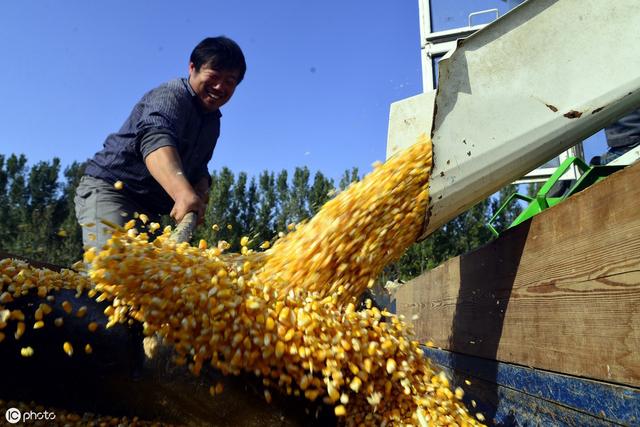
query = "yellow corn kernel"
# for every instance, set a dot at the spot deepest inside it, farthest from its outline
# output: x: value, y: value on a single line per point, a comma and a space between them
x: 59, y: 321
x: 118, y: 185
x: 143, y: 218
x: 356, y: 383
x: 270, y: 324
x: 289, y: 335
x: 267, y: 396
x: 66, y: 306
x: 68, y: 348
x: 284, y: 314
x: 391, y: 366
x: 215, y: 227
x: 87, y: 349
x: 62, y: 233
x: 19, y: 330
x: 45, y: 308
x: 26, y: 351
x: 93, y: 326
x: 340, y: 411
x: 265, y: 245
x: 38, y: 325
x: 280, y: 347
x: 82, y: 311
x: 202, y: 244
x: 244, y: 241
x: 459, y: 393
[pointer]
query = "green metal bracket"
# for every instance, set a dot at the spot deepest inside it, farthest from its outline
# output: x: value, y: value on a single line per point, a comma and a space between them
x: 590, y: 175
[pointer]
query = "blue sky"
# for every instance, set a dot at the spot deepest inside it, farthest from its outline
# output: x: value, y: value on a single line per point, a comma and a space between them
x: 321, y: 74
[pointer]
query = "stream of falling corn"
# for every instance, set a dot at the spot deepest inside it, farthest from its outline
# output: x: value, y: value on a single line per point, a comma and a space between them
x: 288, y: 314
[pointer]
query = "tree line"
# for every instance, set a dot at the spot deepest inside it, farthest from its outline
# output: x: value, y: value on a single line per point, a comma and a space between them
x: 37, y: 219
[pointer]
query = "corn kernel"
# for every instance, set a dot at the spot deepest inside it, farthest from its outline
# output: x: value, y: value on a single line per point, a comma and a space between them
x: 68, y: 348
x: 82, y: 311
x: 66, y: 306
x: 19, y: 330
x: 340, y: 411
x: 391, y: 366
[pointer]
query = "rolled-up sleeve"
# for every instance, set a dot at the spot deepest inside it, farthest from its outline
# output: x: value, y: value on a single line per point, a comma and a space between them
x: 152, y: 141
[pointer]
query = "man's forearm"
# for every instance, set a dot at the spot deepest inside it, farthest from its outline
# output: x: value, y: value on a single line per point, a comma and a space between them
x: 165, y: 166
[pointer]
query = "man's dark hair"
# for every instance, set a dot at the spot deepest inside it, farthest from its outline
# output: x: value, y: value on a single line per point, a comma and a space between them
x: 219, y: 52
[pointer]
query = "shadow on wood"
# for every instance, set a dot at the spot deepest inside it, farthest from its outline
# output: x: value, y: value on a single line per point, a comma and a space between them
x: 481, y: 305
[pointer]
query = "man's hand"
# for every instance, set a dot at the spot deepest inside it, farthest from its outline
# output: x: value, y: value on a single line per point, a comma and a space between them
x: 185, y: 202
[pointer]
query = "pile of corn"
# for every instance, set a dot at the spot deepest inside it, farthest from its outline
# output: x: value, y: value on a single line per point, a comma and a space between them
x: 289, y: 314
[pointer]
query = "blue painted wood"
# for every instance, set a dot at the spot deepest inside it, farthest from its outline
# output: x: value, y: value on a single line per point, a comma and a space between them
x: 605, y: 401
x: 505, y: 407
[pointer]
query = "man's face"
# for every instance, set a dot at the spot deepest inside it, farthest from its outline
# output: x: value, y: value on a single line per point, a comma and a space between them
x: 213, y: 87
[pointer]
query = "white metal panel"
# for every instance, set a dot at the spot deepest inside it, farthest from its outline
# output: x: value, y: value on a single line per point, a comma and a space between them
x: 627, y: 158
x: 408, y: 119
x: 524, y: 89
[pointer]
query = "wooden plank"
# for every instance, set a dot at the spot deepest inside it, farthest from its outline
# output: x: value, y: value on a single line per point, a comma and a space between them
x: 609, y: 402
x: 560, y: 292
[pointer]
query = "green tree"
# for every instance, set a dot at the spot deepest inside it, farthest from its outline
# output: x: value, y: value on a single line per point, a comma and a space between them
x: 282, y: 215
x: 267, y: 198
x: 299, y: 195
x: 320, y: 192
x: 348, y: 177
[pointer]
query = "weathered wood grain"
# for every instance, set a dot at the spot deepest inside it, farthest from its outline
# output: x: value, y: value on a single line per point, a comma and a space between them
x: 560, y: 292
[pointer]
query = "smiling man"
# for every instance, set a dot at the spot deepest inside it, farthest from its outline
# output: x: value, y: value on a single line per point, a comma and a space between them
x: 157, y: 162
